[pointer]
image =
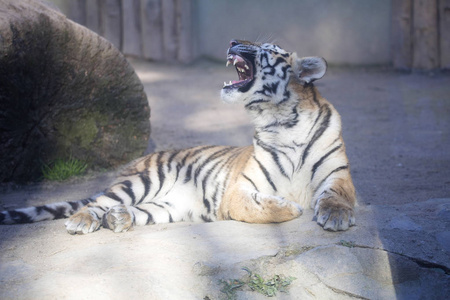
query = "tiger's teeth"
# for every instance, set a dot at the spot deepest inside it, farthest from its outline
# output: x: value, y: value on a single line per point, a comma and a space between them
x: 228, y: 63
x: 246, y: 67
x: 235, y: 61
x: 240, y: 70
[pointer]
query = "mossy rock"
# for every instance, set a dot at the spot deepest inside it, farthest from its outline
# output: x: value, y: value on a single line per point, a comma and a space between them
x: 64, y: 91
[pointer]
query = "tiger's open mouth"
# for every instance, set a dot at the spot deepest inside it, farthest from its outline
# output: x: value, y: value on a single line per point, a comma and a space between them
x: 244, y: 68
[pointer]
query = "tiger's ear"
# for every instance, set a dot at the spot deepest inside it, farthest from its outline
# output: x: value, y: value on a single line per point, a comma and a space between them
x: 310, y: 68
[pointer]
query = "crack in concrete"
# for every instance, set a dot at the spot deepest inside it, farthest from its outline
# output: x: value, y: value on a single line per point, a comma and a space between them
x: 420, y: 262
x: 341, y: 292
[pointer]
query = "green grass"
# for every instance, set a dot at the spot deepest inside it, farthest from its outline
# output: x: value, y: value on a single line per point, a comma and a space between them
x: 269, y: 287
x: 62, y: 169
x: 349, y: 244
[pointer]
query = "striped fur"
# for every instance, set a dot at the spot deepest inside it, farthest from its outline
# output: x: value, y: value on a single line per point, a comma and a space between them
x: 297, y: 160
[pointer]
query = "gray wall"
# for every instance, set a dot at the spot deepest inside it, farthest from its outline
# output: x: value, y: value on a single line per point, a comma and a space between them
x: 354, y: 32
x: 345, y: 32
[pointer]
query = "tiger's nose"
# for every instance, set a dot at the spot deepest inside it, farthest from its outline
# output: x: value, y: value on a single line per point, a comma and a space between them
x: 233, y: 43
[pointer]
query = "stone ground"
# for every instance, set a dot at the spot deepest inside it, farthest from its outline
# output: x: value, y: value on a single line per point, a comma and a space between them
x: 397, y: 133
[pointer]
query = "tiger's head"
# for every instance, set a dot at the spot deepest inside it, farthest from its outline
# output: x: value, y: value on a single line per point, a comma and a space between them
x: 265, y: 70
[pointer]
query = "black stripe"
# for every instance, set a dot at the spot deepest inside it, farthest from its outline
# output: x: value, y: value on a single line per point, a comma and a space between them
x: 321, y: 160
x: 149, y: 215
x: 206, y: 218
x: 96, y: 214
x: 323, y: 126
x: 127, y: 188
x: 276, y: 159
x: 188, y: 174
x: 145, y: 178
x: 113, y: 196
x: 314, y: 94
x: 87, y: 201
x: 182, y: 164
x: 210, y: 158
x: 214, y: 197
x: 205, y: 179
x: 201, y: 149
x: 156, y: 204
x: 266, y: 174
x: 170, y: 160
x: 284, y: 70
x: 326, y: 177
x: 207, y: 205
x: 161, y: 174
x: 254, y: 195
x: 19, y: 217
x: 269, y: 89
x: 183, y: 161
x: 74, y: 205
x: 251, y: 181
x: 57, y: 213
x: 147, y: 161
x: 229, y: 162
x: 316, y: 121
x: 286, y: 96
x: 257, y: 101
x: 209, y: 172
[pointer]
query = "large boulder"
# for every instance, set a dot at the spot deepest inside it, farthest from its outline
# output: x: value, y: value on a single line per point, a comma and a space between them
x: 64, y: 91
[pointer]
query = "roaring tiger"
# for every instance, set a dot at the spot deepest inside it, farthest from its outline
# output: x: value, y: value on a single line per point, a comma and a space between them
x: 297, y: 160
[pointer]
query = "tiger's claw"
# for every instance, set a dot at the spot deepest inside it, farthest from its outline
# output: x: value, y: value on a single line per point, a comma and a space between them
x: 334, y: 215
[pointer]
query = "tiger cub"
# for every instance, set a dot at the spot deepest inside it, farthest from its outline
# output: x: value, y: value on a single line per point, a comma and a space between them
x: 297, y: 160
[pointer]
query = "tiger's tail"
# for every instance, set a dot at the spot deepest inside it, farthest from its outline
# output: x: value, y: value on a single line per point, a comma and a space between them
x: 51, y: 211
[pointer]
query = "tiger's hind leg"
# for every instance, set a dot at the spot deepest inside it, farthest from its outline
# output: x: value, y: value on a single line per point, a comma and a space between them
x: 256, y: 207
x: 89, y: 218
x: 84, y: 221
x: 121, y: 218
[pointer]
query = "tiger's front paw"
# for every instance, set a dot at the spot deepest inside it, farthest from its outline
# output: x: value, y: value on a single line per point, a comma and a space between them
x: 334, y: 214
x: 83, y: 222
x: 118, y: 219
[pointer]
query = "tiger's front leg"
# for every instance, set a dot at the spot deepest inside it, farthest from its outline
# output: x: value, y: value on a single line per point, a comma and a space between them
x: 255, y: 207
x: 334, y: 205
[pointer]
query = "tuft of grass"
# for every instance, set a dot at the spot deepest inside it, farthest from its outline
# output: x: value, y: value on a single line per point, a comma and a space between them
x: 269, y: 288
x: 230, y: 287
x: 349, y: 244
x: 62, y: 169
